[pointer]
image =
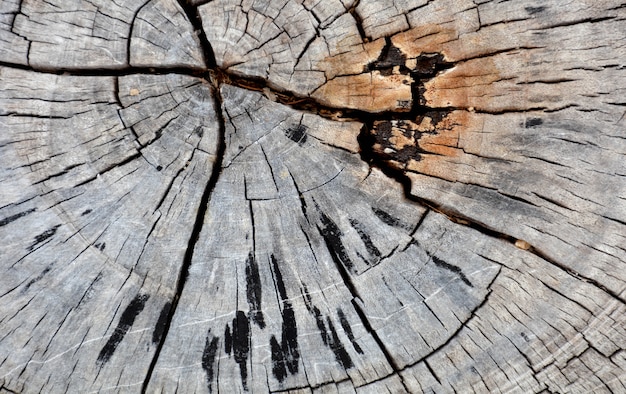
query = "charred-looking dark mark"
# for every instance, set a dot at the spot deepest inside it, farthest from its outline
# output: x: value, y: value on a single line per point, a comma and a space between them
x: 395, y: 142
x: 308, y: 301
x: 367, y: 240
x: 317, y: 314
x: 38, y: 278
x: 332, y: 237
x: 12, y: 218
x: 329, y: 336
x: 43, y: 236
x: 426, y: 67
x: 278, y: 276
x: 348, y: 330
x: 422, y: 68
x: 237, y: 341
x: 253, y: 291
x: 159, y: 168
x: 341, y: 355
x: 386, y: 218
x: 208, y: 358
x: 286, y: 355
x: 161, y: 322
x: 303, y: 206
x: 319, y: 321
x: 533, y: 122
x: 86, y: 212
x: 127, y: 320
x: 228, y: 340
x: 453, y: 268
x: 297, y: 133
x: 534, y: 10
x: 101, y: 246
x: 390, y: 61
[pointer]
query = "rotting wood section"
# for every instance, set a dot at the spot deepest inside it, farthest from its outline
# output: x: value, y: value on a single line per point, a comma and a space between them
x: 318, y: 196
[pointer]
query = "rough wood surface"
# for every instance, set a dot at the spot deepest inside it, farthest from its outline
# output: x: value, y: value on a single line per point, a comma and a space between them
x: 312, y: 196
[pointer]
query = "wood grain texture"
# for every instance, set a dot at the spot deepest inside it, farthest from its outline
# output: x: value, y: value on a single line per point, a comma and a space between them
x: 162, y: 36
x: 81, y: 34
x: 312, y: 196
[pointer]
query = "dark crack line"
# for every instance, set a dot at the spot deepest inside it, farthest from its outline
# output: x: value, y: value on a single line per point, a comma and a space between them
x: 347, y: 280
x: 400, y: 176
x: 311, y: 106
x: 209, y: 59
x: 359, y: 21
x: 381, y: 345
x: 219, y: 76
x: 108, y: 72
x: 300, y: 103
x: 424, y: 359
x: 397, y: 370
x: 194, y: 17
x: 195, y: 234
x: 366, y: 142
x: 130, y: 32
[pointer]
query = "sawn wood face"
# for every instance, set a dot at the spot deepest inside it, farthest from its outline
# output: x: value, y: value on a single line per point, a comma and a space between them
x: 312, y: 196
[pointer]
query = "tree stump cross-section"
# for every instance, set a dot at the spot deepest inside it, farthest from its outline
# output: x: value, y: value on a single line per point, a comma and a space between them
x: 312, y: 196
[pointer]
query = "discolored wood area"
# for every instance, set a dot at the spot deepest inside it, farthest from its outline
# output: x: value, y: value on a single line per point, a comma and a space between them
x: 312, y: 196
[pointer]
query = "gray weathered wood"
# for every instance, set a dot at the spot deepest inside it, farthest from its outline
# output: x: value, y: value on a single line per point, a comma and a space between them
x: 398, y: 195
x: 84, y: 34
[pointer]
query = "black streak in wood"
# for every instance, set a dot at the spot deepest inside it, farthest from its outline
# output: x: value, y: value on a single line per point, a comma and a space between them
x: 12, y: 218
x: 279, y: 369
x: 348, y: 330
x: 286, y: 355
x: 341, y: 355
x: 367, y: 240
x: 38, y: 278
x: 161, y: 323
x: 319, y: 320
x: 332, y: 237
x: 387, y: 218
x: 329, y: 336
x: 317, y: 314
x: 289, y: 340
x: 239, y: 344
x: 533, y: 122
x: 127, y: 320
x: 43, y: 236
x: 453, y: 268
x: 253, y: 291
x: 208, y: 358
x: 297, y: 133
x: 228, y: 340
x: 534, y: 10
x: 280, y: 284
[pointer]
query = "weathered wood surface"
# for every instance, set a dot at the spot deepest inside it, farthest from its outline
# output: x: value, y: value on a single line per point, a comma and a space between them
x: 312, y: 196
